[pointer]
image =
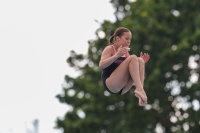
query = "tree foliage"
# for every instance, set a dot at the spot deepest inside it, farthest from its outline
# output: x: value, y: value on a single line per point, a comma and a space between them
x: 170, y: 32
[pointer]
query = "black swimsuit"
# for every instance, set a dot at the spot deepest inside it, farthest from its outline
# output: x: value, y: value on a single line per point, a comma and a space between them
x: 106, y: 72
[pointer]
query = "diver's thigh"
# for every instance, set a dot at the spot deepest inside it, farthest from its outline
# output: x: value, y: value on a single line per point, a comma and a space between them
x: 119, y: 77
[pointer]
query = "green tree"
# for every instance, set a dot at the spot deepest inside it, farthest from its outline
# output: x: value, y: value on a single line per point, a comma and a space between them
x: 169, y: 31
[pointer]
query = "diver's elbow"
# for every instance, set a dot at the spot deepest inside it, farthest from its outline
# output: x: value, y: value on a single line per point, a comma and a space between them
x: 100, y: 67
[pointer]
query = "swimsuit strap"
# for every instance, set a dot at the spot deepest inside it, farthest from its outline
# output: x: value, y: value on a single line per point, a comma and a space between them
x: 114, y: 49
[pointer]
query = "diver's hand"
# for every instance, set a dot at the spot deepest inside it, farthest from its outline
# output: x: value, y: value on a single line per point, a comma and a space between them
x: 145, y: 57
x: 121, y: 51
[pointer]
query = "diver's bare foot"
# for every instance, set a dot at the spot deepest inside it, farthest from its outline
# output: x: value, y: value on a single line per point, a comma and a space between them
x: 140, y: 93
x: 140, y: 100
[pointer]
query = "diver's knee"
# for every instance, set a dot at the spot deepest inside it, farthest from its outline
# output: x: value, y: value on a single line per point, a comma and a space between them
x: 134, y: 57
x: 141, y: 60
